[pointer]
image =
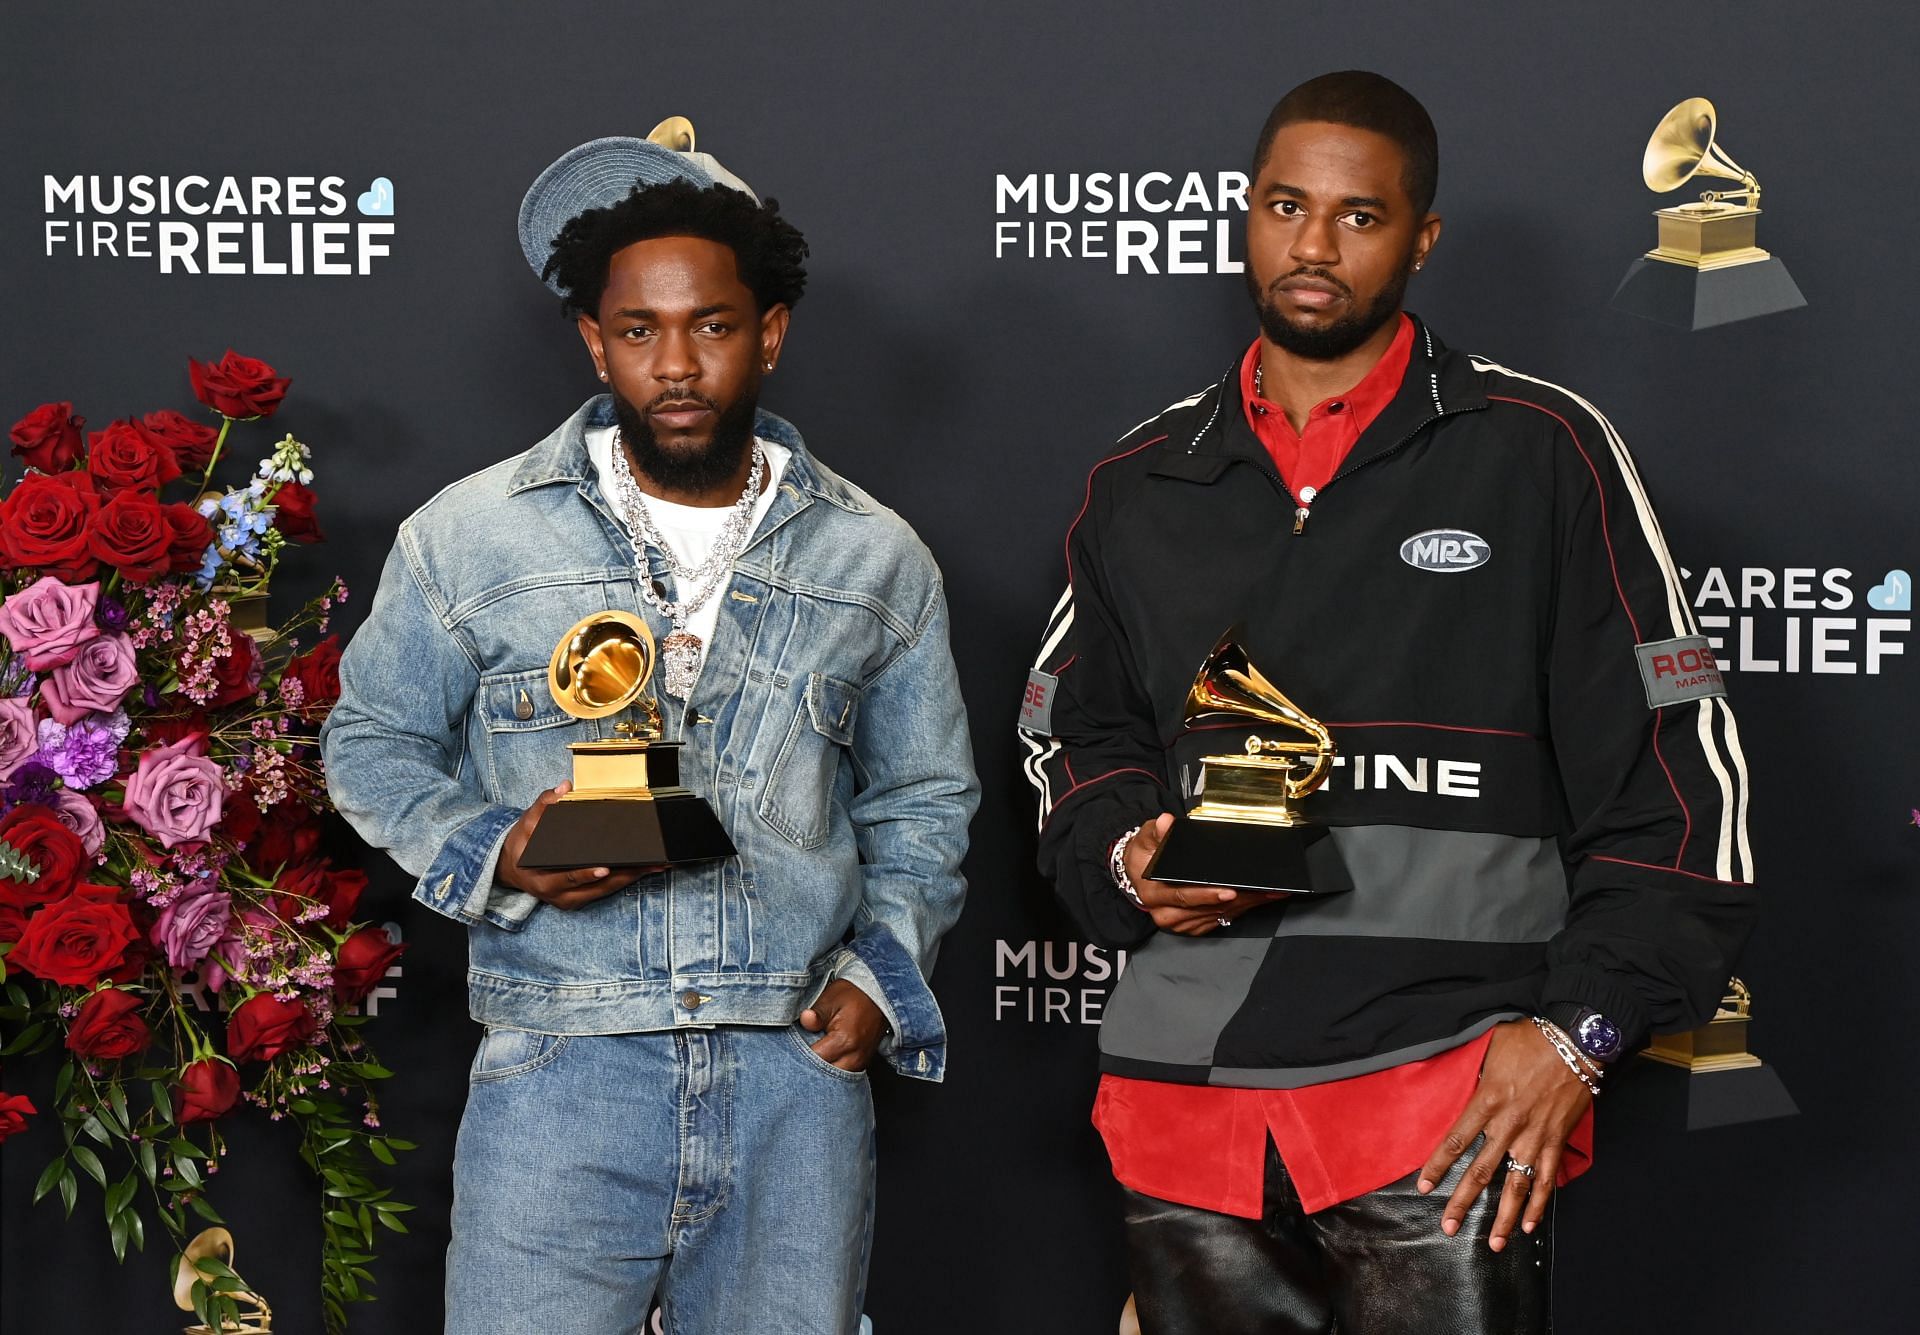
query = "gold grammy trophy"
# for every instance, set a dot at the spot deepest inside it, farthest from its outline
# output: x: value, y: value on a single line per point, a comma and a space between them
x: 208, y: 1259
x: 1707, y: 268
x: 627, y: 808
x: 1724, y: 1083
x: 1248, y: 832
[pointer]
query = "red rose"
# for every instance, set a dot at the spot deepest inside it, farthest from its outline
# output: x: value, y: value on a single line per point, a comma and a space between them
x: 39, y: 835
x: 207, y: 1089
x: 109, y: 1026
x: 179, y: 718
x: 13, y: 922
x: 124, y: 456
x: 13, y: 1113
x: 237, y: 386
x: 364, y: 960
x: 263, y: 1026
x: 318, y: 883
x: 238, y: 674
x: 289, y: 834
x: 240, y: 818
x: 131, y: 534
x: 48, y: 438
x: 43, y: 523
x: 293, y: 513
x: 141, y: 953
x: 188, y: 537
x: 77, y: 940
x: 191, y: 442
x: 318, y: 672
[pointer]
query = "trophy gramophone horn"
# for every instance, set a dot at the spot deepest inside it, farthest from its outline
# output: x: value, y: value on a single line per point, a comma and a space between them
x: 1229, y: 684
x: 1683, y: 147
x: 602, y: 665
x: 216, y: 1244
x: 675, y: 132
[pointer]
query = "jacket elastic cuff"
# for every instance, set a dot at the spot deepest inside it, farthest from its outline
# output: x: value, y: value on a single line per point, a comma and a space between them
x: 1605, y: 993
x: 919, y: 1044
x: 460, y: 882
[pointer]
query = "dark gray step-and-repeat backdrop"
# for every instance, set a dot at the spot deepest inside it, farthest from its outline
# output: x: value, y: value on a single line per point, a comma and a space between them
x: 1026, y: 238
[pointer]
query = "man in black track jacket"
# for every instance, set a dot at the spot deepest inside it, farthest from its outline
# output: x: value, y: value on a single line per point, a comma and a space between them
x: 1337, y: 1109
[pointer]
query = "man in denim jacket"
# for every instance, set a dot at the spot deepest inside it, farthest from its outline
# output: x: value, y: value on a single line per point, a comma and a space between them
x: 671, y: 1095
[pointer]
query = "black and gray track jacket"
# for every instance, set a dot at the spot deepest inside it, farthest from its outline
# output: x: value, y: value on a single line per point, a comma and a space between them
x: 1540, y: 790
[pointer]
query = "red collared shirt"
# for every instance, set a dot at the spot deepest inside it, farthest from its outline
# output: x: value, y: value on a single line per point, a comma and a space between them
x: 1206, y: 1147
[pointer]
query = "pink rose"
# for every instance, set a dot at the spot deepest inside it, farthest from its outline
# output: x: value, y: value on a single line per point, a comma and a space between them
x: 82, y: 817
x: 93, y: 681
x: 192, y: 925
x: 18, y: 736
x: 176, y: 793
x: 48, y: 621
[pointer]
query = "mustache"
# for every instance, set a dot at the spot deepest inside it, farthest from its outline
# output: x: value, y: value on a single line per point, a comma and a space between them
x: 1308, y: 271
x: 675, y: 400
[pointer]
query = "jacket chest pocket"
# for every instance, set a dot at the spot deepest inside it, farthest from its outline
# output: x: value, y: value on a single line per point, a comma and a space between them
x: 527, y: 735
x: 799, y: 795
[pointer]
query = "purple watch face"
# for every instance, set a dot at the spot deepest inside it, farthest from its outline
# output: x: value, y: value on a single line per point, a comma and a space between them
x: 1598, y: 1036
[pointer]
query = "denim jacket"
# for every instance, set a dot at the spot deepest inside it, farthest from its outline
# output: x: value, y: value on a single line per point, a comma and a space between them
x: 826, y: 730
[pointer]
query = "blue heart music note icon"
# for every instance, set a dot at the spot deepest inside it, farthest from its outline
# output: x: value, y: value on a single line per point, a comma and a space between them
x: 376, y: 201
x: 1892, y: 594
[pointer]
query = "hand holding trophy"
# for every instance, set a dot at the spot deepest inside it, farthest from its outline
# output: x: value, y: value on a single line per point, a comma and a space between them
x: 1247, y: 832
x: 625, y: 807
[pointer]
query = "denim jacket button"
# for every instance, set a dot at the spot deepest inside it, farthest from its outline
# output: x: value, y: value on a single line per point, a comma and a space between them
x: 523, y: 709
x: 691, y: 999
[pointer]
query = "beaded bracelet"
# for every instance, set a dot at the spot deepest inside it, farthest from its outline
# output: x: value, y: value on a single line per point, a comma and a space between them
x: 1568, y: 1053
x: 1117, y: 867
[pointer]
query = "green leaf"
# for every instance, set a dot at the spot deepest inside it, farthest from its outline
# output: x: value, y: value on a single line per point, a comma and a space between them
x: 120, y: 1193
x: 303, y: 1107
x: 118, y: 1098
x: 26, y: 1037
x: 149, y: 1163
x: 181, y: 1145
x: 389, y: 1221
x: 206, y: 1211
x: 18, y: 996
x: 401, y: 1145
x: 69, y: 1191
x: 90, y: 1164
x: 63, y: 1082
x: 137, y: 1229
x: 340, y: 1218
x: 187, y: 1170
x: 94, y: 1128
x: 162, y: 1101
x: 118, y: 1231
x: 49, y: 1178
x: 379, y: 1150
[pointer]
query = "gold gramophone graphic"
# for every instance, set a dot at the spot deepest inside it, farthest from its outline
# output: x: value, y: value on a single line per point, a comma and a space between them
x: 208, y: 1259
x: 627, y: 808
x: 1247, y: 832
x: 1724, y: 1083
x: 1707, y: 268
x: 1718, y: 1045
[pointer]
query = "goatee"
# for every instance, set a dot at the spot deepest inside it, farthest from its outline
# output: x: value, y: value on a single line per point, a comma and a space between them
x: 1327, y: 342
x: 687, y: 467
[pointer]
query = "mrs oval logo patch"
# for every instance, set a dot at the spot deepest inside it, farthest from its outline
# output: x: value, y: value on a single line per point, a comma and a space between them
x: 1446, y: 551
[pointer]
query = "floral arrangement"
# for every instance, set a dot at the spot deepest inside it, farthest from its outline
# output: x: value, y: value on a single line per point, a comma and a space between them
x: 166, y: 917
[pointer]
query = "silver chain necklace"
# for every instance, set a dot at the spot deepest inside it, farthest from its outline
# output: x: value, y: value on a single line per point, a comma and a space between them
x: 682, y: 651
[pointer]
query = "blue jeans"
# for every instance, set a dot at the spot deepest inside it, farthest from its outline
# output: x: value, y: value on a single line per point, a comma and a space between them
x: 729, y: 1171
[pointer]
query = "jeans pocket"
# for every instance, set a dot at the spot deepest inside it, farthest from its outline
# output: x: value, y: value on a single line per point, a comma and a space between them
x: 803, y: 1042
x: 509, y: 1052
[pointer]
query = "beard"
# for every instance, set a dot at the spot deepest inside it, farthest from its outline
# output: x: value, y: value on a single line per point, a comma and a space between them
x: 687, y: 466
x: 1327, y: 342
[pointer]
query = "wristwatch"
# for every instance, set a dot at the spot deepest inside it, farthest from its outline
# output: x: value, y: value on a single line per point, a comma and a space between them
x: 1593, y: 1033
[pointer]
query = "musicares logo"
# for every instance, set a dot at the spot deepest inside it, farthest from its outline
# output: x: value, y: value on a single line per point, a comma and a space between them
x: 195, y: 224
x: 1153, y: 222
x: 1759, y: 619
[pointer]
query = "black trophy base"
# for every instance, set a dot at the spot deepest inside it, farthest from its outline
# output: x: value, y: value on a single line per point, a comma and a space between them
x: 672, y: 828
x: 1667, y: 1096
x: 1689, y: 298
x: 1296, y: 859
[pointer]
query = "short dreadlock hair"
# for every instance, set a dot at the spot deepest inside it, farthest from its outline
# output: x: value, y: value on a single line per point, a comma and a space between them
x: 769, y: 250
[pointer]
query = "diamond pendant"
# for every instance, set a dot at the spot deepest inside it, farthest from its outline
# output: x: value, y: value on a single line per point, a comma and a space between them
x: 680, y: 662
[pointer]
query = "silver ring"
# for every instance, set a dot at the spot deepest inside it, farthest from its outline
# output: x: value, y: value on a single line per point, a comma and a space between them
x: 1515, y: 1166
x: 1224, y: 922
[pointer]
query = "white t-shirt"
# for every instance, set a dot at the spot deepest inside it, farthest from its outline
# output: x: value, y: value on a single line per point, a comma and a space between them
x: 691, y: 530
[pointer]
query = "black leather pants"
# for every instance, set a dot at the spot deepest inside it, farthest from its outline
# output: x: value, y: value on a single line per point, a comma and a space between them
x: 1376, y: 1265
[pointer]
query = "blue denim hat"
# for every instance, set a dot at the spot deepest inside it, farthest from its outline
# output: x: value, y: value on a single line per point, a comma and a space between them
x: 602, y: 172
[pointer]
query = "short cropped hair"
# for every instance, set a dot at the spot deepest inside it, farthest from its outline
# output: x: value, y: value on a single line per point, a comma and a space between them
x: 769, y: 250
x: 1365, y: 101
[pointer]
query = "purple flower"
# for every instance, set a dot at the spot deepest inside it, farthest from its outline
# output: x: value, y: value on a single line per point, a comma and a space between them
x: 31, y: 783
x: 78, y: 815
x: 93, y: 681
x: 48, y: 621
x: 193, y: 924
x: 19, y: 734
x: 111, y: 615
x: 86, y: 753
x: 176, y: 794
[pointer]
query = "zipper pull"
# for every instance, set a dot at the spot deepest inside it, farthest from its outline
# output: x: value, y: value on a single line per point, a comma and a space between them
x: 1307, y: 495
